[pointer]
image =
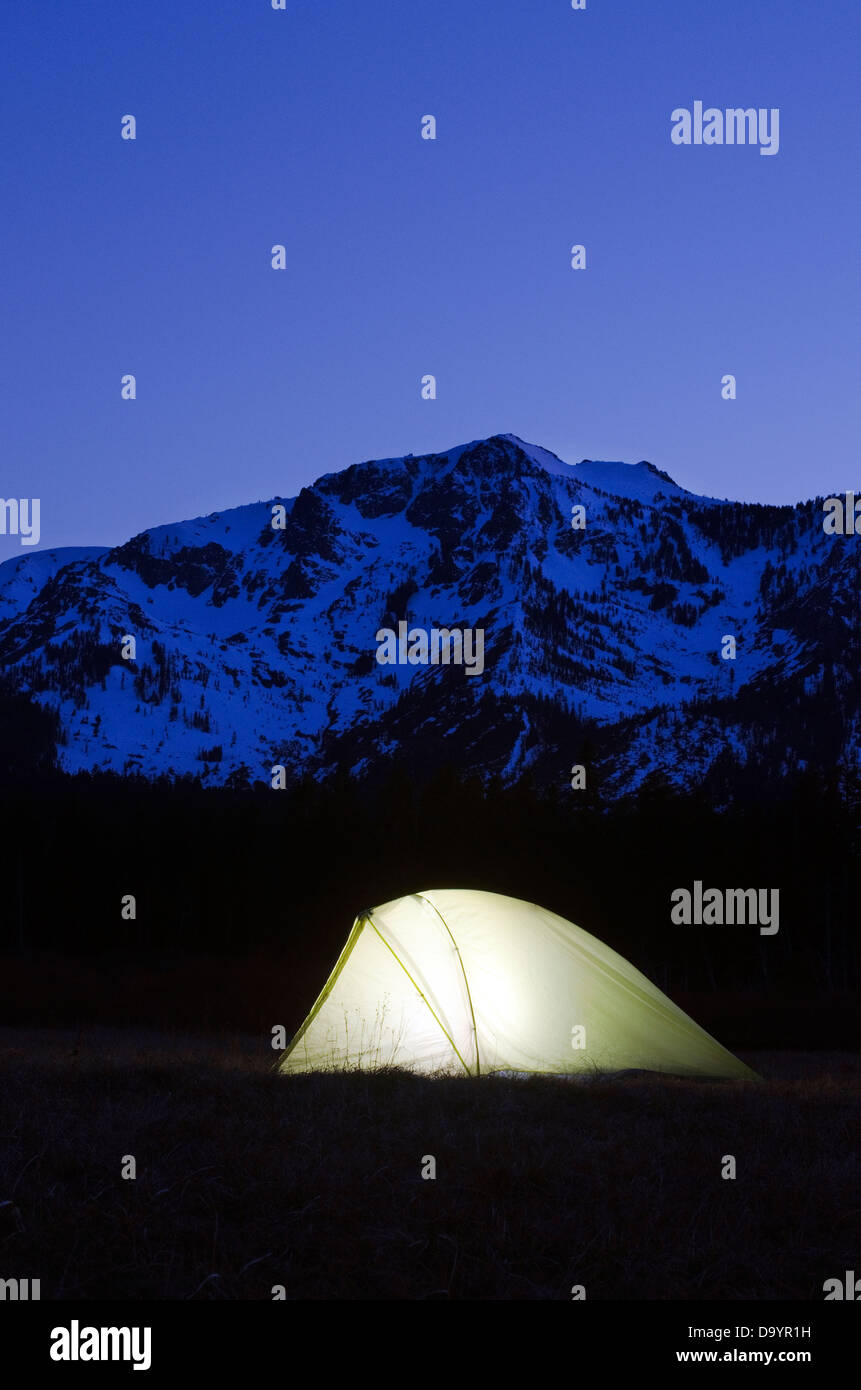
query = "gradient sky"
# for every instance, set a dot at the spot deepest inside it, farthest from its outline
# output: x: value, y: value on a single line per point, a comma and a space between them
x: 406, y: 256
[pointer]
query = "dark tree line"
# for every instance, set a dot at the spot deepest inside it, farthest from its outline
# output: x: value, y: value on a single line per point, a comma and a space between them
x: 222, y: 874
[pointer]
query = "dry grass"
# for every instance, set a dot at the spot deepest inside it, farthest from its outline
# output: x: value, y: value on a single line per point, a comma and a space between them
x: 246, y: 1179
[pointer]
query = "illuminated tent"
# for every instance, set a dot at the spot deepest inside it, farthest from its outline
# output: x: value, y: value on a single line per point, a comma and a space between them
x: 457, y: 981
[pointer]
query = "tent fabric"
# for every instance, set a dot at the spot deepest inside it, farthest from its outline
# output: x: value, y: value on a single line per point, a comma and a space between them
x: 467, y: 983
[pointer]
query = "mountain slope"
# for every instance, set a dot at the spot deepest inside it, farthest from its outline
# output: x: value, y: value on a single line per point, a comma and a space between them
x: 257, y: 646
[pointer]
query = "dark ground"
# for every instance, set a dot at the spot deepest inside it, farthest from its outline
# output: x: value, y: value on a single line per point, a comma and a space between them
x: 246, y: 1179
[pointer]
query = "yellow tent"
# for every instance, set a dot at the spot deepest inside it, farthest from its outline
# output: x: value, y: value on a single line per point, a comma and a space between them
x: 456, y: 981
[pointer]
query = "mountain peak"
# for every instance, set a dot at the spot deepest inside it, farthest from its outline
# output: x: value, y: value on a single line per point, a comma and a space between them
x: 637, y: 480
x: 256, y: 642
x: 642, y: 481
x: 550, y: 462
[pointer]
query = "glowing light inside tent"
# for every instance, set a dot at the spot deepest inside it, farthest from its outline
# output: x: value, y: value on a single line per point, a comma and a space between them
x: 458, y: 981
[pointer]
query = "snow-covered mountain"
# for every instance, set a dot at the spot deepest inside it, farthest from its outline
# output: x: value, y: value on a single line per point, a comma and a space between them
x: 256, y: 646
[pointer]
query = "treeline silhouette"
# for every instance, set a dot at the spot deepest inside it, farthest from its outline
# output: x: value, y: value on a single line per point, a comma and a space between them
x: 244, y: 897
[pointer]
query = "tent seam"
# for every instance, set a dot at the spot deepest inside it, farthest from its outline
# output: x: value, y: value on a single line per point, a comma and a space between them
x: 349, y: 946
x: 421, y: 993
x: 422, y: 897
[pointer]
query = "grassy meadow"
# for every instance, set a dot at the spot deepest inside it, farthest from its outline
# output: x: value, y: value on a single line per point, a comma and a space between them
x: 247, y: 1180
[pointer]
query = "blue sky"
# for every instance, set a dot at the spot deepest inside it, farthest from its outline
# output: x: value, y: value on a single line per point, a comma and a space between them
x: 407, y: 257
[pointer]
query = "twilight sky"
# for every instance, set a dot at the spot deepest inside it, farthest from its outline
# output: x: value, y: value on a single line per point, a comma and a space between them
x: 407, y: 257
